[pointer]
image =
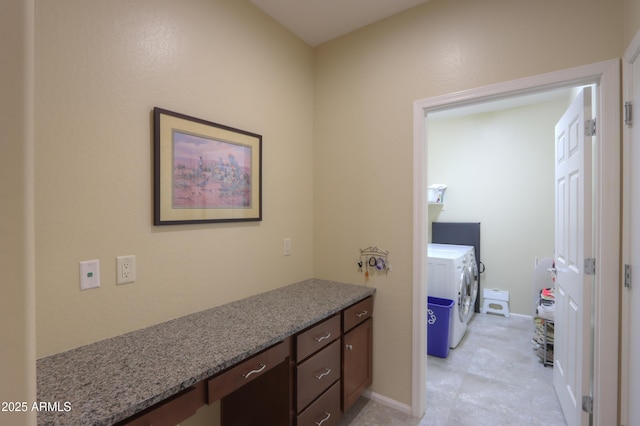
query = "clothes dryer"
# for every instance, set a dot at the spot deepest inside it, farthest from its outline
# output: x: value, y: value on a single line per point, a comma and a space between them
x: 451, y: 276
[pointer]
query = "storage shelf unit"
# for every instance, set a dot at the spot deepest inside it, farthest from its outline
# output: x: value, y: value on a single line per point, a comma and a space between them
x: 543, y: 337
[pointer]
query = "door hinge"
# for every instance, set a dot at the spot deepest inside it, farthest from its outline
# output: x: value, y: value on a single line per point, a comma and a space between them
x: 628, y: 113
x: 590, y: 266
x: 627, y: 276
x: 587, y: 404
x: 590, y: 127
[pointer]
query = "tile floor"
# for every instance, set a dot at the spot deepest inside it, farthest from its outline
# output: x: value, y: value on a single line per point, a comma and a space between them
x: 492, y: 378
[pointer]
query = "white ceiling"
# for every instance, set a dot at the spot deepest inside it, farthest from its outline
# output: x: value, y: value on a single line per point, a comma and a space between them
x: 317, y: 21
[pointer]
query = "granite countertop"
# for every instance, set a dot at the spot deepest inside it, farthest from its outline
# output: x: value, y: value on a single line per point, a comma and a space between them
x: 110, y: 380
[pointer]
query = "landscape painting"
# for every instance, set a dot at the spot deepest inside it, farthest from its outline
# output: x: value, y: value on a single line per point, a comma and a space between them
x: 205, y: 172
x: 209, y: 173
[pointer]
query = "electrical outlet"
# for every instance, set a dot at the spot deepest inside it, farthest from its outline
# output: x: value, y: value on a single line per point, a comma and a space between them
x: 125, y: 269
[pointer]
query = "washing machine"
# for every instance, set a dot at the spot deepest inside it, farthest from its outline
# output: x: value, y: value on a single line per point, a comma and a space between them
x: 452, y: 274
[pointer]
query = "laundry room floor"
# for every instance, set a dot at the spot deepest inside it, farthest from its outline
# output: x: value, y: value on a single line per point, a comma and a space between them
x: 492, y: 378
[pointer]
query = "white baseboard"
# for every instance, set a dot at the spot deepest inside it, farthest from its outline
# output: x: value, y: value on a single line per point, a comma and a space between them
x: 387, y: 401
x: 521, y: 316
x: 513, y: 314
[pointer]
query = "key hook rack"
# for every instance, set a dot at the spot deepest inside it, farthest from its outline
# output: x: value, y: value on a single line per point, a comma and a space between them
x: 373, y: 259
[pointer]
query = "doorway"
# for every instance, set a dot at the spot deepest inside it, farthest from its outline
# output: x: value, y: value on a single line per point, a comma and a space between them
x: 606, y: 76
x: 497, y: 160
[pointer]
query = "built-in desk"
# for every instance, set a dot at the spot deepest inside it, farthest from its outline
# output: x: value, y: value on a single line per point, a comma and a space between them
x: 182, y: 360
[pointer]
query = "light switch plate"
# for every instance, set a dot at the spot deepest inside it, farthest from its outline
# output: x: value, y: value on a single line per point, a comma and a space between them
x: 287, y: 247
x: 89, y: 274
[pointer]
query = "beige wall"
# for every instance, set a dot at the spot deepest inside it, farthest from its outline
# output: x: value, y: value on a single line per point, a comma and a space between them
x: 101, y: 67
x: 17, y: 305
x: 499, y: 168
x: 366, y: 83
x: 631, y: 20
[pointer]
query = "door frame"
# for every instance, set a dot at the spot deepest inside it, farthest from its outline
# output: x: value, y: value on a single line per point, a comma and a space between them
x: 631, y: 55
x: 606, y: 75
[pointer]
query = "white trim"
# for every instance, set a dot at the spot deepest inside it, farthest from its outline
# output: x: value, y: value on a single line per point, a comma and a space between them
x: 633, y: 50
x: 607, y: 75
x: 630, y: 56
x: 420, y: 238
x: 606, y: 298
x: 392, y: 403
x: 523, y: 316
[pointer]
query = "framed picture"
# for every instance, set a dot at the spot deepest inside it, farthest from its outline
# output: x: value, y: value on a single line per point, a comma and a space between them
x: 204, y: 172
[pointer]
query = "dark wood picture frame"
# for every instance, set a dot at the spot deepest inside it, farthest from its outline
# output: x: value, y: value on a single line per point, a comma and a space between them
x: 204, y: 171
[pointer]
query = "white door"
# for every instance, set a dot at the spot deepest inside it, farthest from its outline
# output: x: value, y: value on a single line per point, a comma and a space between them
x: 573, y: 235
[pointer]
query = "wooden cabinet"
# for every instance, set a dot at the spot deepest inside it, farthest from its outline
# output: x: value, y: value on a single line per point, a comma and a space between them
x: 325, y: 411
x: 357, y: 352
x: 257, y: 390
x: 318, y: 373
x: 263, y: 401
x: 247, y: 371
x: 309, y: 379
x: 357, y: 313
x: 317, y: 337
x: 173, y: 410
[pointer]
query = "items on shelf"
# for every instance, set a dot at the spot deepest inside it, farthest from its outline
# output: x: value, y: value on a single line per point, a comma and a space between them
x: 546, y: 305
x: 373, y: 259
x: 543, y: 336
x: 435, y: 193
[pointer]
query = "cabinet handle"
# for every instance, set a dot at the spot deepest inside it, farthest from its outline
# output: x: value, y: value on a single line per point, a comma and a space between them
x: 361, y: 314
x: 262, y: 367
x: 326, y: 371
x: 320, y: 339
x: 324, y: 420
x: 349, y: 347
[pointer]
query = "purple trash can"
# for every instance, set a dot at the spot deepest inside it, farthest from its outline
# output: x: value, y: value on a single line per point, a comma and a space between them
x: 438, y: 326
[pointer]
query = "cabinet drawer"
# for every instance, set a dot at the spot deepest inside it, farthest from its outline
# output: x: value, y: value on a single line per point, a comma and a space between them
x: 173, y: 410
x: 317, y: 337
x: 247, y: 370
x: 325, y: 411
x: 317, y: 373
x: 357, y: 313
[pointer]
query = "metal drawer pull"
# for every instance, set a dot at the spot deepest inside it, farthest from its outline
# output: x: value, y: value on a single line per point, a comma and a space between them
x: 326, y: 371
x: 320, y: 339
x: 324, y: 420
x: 349, y: 347
x: 262, y: 367
x: 361, y: 314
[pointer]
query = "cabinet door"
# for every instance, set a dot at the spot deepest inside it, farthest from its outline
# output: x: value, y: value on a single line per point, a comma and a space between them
x: 357, y: 366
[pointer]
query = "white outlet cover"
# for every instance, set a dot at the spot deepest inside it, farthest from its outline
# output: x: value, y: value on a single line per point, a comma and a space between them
x: 89, y: 274
x: 125, y: 269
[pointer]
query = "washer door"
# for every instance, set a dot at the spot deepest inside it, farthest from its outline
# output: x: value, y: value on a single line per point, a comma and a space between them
x: 465, y: 306
x: 473, y: 270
